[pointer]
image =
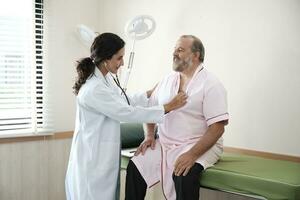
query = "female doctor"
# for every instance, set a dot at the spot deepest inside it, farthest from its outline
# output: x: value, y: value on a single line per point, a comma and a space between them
x: 93, y: 167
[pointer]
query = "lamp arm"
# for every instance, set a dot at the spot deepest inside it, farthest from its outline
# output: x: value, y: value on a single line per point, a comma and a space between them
x: 129, y: 68
x: 138, y: 28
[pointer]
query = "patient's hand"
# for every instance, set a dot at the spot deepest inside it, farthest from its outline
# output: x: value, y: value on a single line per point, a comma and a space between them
x: 149, y: 141
x: 184, y: 163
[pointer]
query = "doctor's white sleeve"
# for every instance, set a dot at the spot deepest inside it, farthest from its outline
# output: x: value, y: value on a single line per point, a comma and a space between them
x: 104, y: 100
x: 139, y: 99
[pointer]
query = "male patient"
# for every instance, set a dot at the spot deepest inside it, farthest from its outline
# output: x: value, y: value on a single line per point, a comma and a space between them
x: 189, y: 139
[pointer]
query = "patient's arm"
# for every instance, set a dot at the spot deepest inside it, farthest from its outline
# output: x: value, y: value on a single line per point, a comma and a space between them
x: 149, y: 139
x: 186, y: 160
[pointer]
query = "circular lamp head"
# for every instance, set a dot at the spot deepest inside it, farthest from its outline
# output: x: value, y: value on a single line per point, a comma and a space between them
x: 140, y: 27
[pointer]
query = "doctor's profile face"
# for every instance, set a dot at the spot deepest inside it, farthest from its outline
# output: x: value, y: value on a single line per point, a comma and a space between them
x: 116, y: 61
x: 183, y: 55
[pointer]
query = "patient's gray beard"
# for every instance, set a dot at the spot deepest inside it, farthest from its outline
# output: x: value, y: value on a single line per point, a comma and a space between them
x: 182, y: 65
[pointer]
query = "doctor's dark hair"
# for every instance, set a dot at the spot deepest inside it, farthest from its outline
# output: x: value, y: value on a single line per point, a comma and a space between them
x: 103, y: 48
x: 197, y: 46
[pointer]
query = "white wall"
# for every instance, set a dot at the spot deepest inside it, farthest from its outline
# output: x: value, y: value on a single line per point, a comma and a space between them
x: 64, y: 48
x: 251, y: 45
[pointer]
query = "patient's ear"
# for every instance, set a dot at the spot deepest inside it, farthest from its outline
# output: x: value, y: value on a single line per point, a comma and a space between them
x: 197, y: 55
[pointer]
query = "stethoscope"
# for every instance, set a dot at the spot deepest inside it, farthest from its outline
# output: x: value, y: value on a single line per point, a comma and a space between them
x: 116, y: 80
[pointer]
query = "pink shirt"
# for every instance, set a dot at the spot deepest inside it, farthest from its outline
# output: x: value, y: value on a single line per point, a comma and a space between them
x: 206, y: 105
x: 181, y: 129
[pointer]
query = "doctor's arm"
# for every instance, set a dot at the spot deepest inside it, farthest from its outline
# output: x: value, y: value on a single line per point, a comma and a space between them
x: 106, y: 101
x: 142, y: 98
x: 186, y: 160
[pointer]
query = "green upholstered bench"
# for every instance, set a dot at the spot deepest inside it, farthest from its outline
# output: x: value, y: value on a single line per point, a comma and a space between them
x: 243, y: 174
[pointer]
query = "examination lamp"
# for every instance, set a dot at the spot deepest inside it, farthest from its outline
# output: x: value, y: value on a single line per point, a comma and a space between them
x: 137, y: 28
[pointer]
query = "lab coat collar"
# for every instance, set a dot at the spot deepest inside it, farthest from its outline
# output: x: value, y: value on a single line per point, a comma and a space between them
x: 99, y: 74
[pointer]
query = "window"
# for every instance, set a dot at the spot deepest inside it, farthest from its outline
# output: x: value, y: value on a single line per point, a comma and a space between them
x: 21, y: 68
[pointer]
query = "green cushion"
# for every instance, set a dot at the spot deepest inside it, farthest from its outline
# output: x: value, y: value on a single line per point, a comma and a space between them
x: 132, y: 134
x: 272, y: 179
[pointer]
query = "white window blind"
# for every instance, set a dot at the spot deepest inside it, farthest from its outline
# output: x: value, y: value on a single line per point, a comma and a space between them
x: 22, y: 109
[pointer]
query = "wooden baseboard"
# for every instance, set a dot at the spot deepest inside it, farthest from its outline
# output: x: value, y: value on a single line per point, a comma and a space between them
x: 262, y: 154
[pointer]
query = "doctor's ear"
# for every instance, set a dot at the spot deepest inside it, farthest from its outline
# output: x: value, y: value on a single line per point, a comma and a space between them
x: 103, y: 64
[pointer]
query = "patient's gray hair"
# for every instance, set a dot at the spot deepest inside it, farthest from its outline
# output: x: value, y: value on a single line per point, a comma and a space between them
x: 197, y: 46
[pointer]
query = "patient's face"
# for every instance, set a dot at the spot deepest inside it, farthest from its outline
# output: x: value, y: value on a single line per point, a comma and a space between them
x: 182, y: 56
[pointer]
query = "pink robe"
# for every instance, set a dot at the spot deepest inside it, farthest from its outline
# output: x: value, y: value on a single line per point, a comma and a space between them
x: 184, y: 127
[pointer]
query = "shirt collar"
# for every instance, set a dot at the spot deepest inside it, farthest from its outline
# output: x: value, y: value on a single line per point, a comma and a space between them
x: 199, y: 68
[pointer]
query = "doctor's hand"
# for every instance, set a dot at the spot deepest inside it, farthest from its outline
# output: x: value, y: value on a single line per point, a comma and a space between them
x: 149, y: 141
x: 149, y: 92
x: 184, y: 163
x: 177, y: 102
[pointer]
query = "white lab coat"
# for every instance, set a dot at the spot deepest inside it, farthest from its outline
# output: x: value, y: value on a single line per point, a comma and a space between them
x: 93, y: 167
